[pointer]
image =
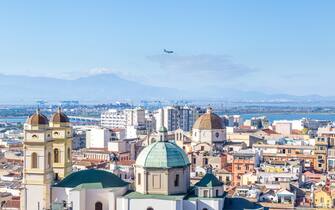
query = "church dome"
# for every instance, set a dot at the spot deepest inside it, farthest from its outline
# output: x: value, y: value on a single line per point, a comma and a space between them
x: 92, y: 177
x: 37, y: 119
x: 162, y: 154
x: 208, y: 121
x: 59, y: 117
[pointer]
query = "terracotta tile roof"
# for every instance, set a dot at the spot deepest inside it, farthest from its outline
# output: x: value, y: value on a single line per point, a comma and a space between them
x: 269, y: 131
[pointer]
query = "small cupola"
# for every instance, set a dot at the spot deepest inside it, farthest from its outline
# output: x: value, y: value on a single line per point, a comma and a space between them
x: 209, y: 186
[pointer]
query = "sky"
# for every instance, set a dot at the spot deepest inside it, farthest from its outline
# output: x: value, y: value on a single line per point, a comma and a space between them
x: 271, y: 46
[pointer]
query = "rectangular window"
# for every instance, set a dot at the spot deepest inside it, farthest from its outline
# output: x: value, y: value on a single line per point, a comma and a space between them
x: 156, y: 181
x: 139, y: 179
x: 176, y: 181
x: 205, y: 161
x: 205, y: 193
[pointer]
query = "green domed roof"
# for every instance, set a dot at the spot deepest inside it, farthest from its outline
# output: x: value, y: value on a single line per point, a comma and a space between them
x: 163, y: 129
x: 162, y: 154
x: 105, y: 178
x: 209, y: 180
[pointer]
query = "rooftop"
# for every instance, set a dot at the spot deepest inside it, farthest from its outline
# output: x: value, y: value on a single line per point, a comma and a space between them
x: 209, y: 180
x: 102, y: 178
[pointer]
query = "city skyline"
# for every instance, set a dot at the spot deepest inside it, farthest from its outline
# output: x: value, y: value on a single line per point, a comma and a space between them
x: 272, y: 47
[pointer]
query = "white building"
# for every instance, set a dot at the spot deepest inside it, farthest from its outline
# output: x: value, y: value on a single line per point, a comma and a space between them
x: 132, y: 120
x: 113, y: 119
x: 233, y: 120
x: 295, y: 124
x: 284, y: 128
x: 176, y: 117
x: 97, y: 137
x: 122, y: 118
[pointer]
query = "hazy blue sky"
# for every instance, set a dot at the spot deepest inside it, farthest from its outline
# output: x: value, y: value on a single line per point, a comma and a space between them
x: 275, y: 46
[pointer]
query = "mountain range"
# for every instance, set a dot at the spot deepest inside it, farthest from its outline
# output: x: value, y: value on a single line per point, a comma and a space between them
x: 109, y: 87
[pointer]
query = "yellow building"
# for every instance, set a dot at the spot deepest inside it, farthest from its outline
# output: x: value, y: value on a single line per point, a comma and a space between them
x: 47, y: 156
x: 62, y: 144
x: 322, y: 199
x: 37, y: 170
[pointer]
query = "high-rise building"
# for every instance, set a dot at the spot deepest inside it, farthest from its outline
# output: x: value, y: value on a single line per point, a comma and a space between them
x: 232, y: 120
x: 113, y: 119
x: 122, y: 118
x: 176, y: 117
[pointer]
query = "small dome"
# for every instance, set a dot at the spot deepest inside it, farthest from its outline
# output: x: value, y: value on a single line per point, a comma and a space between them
x: 102, y: 178
x: 208, y: 121
x: 163, y: 129
x: 209, y: 180
x: 162, y: 154
x: 37, y: 119
x: 59, y: 117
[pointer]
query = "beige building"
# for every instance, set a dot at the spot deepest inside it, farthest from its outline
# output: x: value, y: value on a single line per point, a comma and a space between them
x: 208, y: 128
x: 320, y: 153
x: 248, y: 179
x: 38, y: 161
x: 62, y: 144
x: 162, y: 168
x: 47, y: 156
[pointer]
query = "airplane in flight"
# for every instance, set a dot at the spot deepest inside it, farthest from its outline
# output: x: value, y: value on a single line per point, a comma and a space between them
x: 168, y: 51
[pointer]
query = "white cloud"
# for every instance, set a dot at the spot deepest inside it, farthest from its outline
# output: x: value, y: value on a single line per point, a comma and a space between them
x: 207, y: 69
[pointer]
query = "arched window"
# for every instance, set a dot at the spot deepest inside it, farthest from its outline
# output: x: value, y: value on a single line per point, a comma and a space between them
x: 98, y: 206
x: 34, y: 160
x: 205, y: 209
x: 68, y: 154
x: 150, y: 208
x: 49, y: 159
x: 56, y: 156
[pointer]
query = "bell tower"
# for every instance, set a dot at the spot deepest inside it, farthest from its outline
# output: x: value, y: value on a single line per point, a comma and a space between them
x: 62, y: 144
x: 37, y: 168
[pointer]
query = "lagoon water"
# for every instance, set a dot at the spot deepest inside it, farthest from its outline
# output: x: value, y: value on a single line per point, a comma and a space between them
x: 270, y: 116
x: 292, y: 116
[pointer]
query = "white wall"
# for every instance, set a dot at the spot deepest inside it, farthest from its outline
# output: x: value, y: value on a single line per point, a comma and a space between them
x: 97, y: 137
x: 161, y: 204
